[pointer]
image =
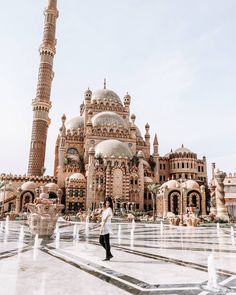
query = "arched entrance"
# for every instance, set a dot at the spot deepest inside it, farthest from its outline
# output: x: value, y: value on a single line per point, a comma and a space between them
x: 52, y: 196
x: 26, y: 197
x: 174, y: 202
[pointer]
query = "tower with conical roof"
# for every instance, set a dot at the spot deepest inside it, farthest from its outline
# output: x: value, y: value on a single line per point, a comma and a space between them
x: 42, y: 104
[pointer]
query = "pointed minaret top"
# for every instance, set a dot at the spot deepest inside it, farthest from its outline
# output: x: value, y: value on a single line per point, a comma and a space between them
x: 155, y: 140
x: 52, y: 3
x: 105, y: 83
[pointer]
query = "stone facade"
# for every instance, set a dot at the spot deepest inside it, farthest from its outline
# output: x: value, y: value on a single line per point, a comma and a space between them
x: 42, y: 104
x: 230, y: 193
x: 101, y: 152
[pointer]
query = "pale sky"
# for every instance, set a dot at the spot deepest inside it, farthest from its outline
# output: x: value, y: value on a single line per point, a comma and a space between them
x: 175, y: 57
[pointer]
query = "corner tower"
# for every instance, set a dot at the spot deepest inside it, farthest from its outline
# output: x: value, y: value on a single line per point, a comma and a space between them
x: 42, y: 104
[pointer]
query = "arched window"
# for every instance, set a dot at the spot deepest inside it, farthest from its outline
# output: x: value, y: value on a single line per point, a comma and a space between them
x: 72, y: 151
x: 71, y: 193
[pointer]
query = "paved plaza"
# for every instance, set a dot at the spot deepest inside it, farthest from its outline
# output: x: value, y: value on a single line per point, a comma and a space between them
x: 147, y: 260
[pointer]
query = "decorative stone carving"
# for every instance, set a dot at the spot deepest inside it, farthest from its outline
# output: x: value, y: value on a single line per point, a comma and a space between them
x: 213, y: 199
x: 222, y: 212
x: 44, y: 214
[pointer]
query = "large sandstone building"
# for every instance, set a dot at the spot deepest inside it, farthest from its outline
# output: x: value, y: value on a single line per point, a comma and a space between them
x: 101, y: 152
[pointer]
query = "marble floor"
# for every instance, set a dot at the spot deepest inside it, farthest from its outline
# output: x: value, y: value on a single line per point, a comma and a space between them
x: 147, y: 260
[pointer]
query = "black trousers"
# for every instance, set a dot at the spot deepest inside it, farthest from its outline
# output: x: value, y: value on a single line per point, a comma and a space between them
x: 104, y: 240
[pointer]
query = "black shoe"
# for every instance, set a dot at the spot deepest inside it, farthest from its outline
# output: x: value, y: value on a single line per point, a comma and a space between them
x: 106, y: 259
x: 110, y: 256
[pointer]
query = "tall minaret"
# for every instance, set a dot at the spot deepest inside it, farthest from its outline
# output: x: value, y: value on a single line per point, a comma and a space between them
x: 42, y: 104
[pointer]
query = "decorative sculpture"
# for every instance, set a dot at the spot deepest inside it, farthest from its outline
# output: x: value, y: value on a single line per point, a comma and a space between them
x: 222, y: 212
x: 44, y: 214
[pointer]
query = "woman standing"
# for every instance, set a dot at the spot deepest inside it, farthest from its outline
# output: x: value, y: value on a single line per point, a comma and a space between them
x: 105, y: 231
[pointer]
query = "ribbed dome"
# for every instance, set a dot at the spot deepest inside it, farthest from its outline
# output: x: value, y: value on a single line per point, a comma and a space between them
x: 146, y: 165
x: 77, y: 176
x: 112, y: 147
x: 106, y: 95
x: 28, y: 186
x: 75, y: 123
x: 191, y: 184
x: 171, y: 184
x: 148, y: 179
x: 183, y: 150
x: 108, y: 119
x: 52, y: 186
x: 138, y: 132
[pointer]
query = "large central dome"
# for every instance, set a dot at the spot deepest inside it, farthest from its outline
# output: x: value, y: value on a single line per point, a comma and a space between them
x: 106, y: 95
x: 112, y: 147
x: 108, y: 119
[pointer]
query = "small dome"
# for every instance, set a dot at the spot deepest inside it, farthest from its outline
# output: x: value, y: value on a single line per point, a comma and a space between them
x: 168, y: 154
x: 183, y: 150
x: 138, y: 132
x: 106, y: 95
x: 191, y: 184
x: 140, y: 154
x: 148, y: 179
x: 108, y: 119
x: 88, y: 94
x: 52, y: 186
x: 147, y: 126
x: 112, y: 147
x: 171, y: 184
x: 146, y: 165
x: 77, y: 176
x: 28, y: 186
x: 75, y: 123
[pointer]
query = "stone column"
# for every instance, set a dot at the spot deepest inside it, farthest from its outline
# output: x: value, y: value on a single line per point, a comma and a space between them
x: 203, y: 199
x: 213, y: 198
x: 222, y: 212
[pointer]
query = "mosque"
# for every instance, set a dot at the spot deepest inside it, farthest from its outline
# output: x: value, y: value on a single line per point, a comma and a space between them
x: 101, y: 152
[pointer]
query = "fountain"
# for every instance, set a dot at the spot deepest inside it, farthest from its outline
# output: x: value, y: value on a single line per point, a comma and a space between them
x: 212, y: 280
x: 43, y: 215
x: 232, y: 231
x: 87, y: 226
x: 36, y: 245
x: 57, y: 239
x: 132, y: 238
x: 56, y: 229
x: 7, y: 225
x: 21, y: 235
x: 75, y: 232
x: 21, y: 239
x: 212, y: 285
x: 133, y: 224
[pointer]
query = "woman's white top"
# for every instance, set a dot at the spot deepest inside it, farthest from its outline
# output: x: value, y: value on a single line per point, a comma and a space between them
x: 107, y: 226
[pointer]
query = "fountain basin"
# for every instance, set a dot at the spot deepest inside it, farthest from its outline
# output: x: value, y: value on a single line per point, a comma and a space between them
x: 43, y: 218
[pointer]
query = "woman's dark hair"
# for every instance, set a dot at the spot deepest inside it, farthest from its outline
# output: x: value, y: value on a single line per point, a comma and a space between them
x: 109, y: 199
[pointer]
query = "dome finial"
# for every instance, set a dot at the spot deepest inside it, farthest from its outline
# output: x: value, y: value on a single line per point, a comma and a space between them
x: 105, y: 83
